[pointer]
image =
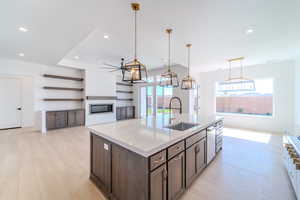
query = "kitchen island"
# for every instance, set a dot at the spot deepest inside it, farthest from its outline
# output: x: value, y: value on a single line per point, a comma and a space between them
x: 147, y: 159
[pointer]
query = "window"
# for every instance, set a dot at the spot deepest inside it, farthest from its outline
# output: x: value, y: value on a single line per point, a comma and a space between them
x: 258, y: 101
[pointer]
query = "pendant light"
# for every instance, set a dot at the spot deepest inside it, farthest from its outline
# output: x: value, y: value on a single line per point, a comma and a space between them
x: 134, y: 71
x: 188, y: 82
x: 169, y: 78
x: 239, y: 83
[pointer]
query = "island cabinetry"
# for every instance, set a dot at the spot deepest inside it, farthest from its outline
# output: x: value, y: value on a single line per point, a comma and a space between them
x: 129, y: 175
x: 176, y: 176
x: 158, y: 183
x: 195, y: 161
x: 101, y: 163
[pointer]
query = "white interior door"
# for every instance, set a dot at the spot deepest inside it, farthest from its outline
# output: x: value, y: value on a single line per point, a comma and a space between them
x: 10, y: 103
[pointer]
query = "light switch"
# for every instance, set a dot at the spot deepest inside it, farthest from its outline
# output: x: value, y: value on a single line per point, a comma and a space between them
x: 106, y: 146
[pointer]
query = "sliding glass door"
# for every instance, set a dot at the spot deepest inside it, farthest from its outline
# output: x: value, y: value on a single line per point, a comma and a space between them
x: 154, y: 100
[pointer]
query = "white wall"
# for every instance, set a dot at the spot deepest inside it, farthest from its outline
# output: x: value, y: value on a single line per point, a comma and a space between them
x: 283, y: 76
x: 297, y: 96
x: 32, y: 92
x: 99, y: 83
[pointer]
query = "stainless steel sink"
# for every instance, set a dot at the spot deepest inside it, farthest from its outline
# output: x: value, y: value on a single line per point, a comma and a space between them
x: 182, y: 126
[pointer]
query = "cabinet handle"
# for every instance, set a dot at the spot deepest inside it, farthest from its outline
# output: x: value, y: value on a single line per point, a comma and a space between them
x: 182, y: 172
x: 161, y: 159
x: 178, y: 147
x: 178, y: 157
x: 165, y: 176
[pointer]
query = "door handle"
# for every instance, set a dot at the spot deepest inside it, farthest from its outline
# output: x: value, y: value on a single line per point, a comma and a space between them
x: 19, y: 108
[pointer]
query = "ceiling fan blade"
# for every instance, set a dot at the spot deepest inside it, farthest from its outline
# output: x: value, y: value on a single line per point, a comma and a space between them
x: 115, y: 70
x: 109, y: 65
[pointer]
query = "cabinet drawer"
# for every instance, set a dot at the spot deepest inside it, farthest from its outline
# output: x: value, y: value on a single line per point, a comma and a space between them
x: 195, y: 138
x: 175, y: 149
x: 158, y: 159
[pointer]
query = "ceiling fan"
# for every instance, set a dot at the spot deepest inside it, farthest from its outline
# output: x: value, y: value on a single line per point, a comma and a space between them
x: 114, y: 68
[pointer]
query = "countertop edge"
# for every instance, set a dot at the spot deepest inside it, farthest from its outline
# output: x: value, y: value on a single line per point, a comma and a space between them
x: 155, y: 150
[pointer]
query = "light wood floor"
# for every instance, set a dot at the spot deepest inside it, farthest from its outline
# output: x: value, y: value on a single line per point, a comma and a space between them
x: 56, y: 167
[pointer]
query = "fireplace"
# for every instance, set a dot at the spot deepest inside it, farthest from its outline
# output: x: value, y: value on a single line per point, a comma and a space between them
x: 100, y: 108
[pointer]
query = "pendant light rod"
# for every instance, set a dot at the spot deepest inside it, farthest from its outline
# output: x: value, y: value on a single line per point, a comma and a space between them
x: 169, y: 31
x: 240, y: 59
x: 189, y: 57
x: 135, y: 7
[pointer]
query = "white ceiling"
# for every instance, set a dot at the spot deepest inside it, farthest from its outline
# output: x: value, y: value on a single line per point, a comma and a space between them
x: 62, y: 29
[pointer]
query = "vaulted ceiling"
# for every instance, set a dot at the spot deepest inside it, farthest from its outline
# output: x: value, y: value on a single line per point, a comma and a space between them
x: 60, y: 30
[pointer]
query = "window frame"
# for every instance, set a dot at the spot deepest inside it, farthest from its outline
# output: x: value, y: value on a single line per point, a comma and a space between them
x: 250, y: 115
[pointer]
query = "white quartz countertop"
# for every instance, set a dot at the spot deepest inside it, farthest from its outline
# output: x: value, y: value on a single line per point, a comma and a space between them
x: 149, y: 135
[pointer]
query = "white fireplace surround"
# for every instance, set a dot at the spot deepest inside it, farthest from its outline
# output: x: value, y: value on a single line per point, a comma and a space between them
x: 91, y: 119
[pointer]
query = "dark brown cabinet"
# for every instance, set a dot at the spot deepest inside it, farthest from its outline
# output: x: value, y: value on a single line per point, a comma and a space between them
x: 176, y: 177
x: 64, y: 118
x: 51, y: 120
x: 123, y: 174
x: 125, y: 112
x: 158, y: 183
x: 195, y: 161
x: 72, y: 118
x: 101, y: 162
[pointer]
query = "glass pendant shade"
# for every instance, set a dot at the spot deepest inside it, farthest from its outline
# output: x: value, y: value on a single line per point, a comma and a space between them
x: 188, y: 83
x: 169, y: 78
x: 134, y: 71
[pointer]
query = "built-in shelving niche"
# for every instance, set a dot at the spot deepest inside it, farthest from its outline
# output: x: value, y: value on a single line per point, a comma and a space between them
x: 66, y: 89
x: 124, y: 91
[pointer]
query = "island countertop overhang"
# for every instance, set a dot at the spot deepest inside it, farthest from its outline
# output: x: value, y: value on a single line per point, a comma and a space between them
x: 149, y: 135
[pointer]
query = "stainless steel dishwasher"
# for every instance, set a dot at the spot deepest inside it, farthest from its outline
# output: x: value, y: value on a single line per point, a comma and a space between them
x: 211, y: 143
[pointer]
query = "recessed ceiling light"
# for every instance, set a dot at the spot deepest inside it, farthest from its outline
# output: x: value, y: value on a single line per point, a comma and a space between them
x: 76, y: 57
x: 106, y: 37
x: 249, y: 31
x: 22, y: 29
x: 21, y: 54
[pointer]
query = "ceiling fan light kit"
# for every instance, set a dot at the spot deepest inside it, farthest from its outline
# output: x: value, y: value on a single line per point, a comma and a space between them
x: 188, y: 83
x: 134, y: 71
x: 169, y: 78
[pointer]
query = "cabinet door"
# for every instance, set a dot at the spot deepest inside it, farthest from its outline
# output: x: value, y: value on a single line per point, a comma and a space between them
x: 50, y: 120
x: 118, y: 113
x: 80, y: 117
x: 191, y: 169
x: 101, y: 162
x: 195, y: 161
x: 176, y: 177
x: 158, y: 183
x: 123, y: 111
x: 129, y: 112
x: 71, y: 118
x: 201, y: 156
x: 61, y: 119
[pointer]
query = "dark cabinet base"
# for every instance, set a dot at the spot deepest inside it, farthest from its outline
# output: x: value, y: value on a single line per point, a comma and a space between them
x: 125, y: 112
x: 124, y: 175
x: 64, y: 118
